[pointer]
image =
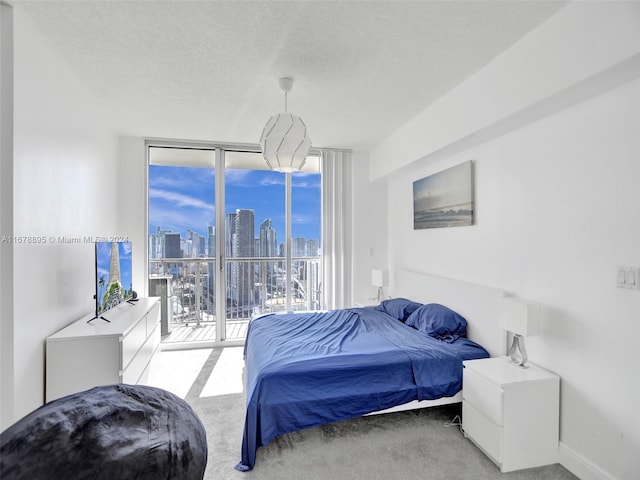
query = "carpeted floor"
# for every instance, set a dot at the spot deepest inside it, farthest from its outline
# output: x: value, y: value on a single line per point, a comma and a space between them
x: 404, y: 445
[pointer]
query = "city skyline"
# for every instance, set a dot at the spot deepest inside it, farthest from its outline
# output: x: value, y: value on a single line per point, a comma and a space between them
x: 181, y: 199
x: 238, y: 243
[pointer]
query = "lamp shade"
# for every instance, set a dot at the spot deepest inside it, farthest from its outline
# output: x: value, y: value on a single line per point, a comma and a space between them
x: 285, y: 142
x: 379, y: 278
x: 521, y: 317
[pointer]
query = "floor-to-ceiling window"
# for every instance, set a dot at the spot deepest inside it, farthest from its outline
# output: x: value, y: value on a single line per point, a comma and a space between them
x: 218, y: 243
x: 306, y: 232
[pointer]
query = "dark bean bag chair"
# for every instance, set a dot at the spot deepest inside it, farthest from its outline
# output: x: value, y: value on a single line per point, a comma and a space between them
x: 113, y: 432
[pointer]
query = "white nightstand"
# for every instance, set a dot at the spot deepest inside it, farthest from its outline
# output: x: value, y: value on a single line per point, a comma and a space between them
x: 511, y: 413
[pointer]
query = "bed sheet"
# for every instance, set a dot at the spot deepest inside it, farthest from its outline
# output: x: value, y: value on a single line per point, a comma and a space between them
x: 309, y: 369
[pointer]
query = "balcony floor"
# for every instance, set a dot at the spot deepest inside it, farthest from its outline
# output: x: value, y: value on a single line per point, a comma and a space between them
x: 190, y: 332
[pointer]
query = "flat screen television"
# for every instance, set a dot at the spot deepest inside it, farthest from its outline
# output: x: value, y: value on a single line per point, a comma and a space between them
x: 113, y: 276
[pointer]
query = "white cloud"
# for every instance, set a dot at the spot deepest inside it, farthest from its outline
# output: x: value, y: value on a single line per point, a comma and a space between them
x: 181, y: 200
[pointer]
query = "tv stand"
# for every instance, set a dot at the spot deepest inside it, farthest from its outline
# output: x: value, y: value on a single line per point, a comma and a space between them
x: 86, y: 354
x: 100, y: 317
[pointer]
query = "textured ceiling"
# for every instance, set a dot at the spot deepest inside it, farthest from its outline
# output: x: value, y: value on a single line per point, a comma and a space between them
x: 208, y: 70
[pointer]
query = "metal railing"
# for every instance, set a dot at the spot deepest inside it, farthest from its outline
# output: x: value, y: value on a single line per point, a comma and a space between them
x: 252, y: 286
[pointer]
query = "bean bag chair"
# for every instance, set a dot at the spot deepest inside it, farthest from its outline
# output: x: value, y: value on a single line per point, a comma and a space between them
x: 113, y: 432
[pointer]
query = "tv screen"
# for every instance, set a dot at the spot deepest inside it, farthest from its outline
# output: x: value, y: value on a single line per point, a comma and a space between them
x: 113, y: 275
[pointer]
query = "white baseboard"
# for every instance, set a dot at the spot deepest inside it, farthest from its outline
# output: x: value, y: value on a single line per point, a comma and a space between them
x: 581, y: 467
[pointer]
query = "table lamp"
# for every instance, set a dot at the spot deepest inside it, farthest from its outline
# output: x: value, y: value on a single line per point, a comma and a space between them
x: 379, y: 278
x: 522, y: 318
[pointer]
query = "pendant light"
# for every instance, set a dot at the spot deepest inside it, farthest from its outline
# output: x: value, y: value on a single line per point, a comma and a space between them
x: 285, y: 141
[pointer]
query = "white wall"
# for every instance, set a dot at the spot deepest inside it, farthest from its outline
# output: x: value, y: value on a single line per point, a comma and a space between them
x: 133, y: 206
x: 369, y: 221
x: 65, y: 184
x: 556, y: 213
x: 557, y: 210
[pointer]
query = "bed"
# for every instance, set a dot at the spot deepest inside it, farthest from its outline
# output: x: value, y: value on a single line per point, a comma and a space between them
x: 313, y: 368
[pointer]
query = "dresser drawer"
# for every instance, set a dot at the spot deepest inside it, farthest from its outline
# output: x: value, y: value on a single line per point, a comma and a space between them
x: 485, y: 396
x: 153, y: 318
x: 484, y: 433
x: 140, y: 362
x: 132, y: 342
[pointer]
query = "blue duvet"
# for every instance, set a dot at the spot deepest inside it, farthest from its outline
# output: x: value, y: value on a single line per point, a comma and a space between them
x: 309, y: 369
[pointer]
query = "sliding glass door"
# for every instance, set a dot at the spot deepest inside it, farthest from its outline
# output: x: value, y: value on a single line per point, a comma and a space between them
x: 181, y: 245
x: 260, y: 252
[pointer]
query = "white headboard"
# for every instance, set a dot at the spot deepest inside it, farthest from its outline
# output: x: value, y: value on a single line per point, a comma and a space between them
x: 478, y: 304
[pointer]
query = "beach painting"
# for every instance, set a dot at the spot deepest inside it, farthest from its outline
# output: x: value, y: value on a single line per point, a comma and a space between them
x: 444, y: 199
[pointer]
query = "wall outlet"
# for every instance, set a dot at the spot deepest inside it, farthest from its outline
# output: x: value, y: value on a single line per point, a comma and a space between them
x: 628, y: 277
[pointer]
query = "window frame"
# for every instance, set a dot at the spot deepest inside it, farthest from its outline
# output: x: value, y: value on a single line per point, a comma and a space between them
x: 220, y: 150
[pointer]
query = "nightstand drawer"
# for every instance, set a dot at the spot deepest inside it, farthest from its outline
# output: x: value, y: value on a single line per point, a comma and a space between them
x: 483, y: 395
x: 484, y: 433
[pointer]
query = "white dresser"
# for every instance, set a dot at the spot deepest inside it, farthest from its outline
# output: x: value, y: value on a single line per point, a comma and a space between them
x: 84, y: 355
x: 511, y: 413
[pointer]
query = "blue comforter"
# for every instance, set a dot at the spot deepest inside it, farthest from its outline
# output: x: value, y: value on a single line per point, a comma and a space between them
x: 310, y: 369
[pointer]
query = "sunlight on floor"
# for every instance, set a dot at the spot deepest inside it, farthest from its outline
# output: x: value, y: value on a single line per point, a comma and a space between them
x: 176, y: 371
x: 226, y: 377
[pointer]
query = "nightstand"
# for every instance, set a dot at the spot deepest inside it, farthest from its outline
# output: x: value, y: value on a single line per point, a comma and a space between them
x: 511, y: 413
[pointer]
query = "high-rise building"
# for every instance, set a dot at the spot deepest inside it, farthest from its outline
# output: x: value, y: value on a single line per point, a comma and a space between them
x: 245, y: 227
x: 313, y: 249
x: 172, y: 245
x: 268, y: 249
x: 232, y: 271
x: 243, y: 248
x: 230, y: 233
x: 299, y: 247
x: 153, y: 246
x: 211, y: 241
x: 268, y: 239
x: 239, y: 243
x: 156, y: 243
x: 185, y: 246
x: 211, y: 253
x: 195, y: 245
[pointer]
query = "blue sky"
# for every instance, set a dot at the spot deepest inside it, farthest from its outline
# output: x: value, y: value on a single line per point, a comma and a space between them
x: 182, y: 198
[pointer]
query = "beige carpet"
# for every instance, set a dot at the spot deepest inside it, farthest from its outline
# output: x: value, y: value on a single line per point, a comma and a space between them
x: 404, y: 445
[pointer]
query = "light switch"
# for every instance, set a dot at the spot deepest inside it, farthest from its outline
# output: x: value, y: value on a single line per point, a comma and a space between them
x: 631, y: 278
x: 628, y: 277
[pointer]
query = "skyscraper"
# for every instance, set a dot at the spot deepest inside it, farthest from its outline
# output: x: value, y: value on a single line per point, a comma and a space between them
x: 243, y: 247
x: 268, y: 248
x: 268, y: 239
x: 299, y: 247
x: 312, y: 248
x: 211, y: 253
x: 245, y: 227
x: 230, y: 233
x: 156, y: 243
x: 211, y: 241
x: 172, y: 245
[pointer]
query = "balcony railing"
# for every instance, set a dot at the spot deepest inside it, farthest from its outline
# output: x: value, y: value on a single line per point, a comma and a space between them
x: 252, y: 286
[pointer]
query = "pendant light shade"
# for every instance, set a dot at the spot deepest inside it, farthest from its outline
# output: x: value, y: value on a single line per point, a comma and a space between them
x: 285, y: 141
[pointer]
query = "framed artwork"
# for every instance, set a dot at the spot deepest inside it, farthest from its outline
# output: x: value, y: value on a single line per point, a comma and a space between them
x: 444, y: 199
